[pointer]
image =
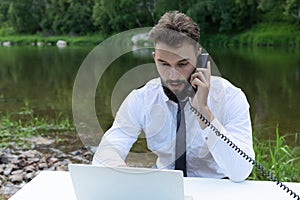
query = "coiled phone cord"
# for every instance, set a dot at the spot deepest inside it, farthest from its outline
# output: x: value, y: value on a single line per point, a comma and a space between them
x: 244, y: 155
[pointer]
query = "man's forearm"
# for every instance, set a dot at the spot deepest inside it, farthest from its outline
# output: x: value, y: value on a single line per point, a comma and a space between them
x: 107, y: 155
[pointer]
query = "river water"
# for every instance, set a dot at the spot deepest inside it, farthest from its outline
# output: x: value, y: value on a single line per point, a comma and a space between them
x: 44, y: 76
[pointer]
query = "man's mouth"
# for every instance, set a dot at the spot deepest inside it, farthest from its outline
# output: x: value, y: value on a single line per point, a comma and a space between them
x: 176, y: 86
x: 175, y: 83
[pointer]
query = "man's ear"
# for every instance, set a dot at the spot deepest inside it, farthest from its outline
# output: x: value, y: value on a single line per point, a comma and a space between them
x: 199, y: 51
x: 153, y: 55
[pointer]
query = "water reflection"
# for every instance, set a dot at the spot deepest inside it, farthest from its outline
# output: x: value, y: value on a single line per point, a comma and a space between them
x: 44, y: 76
x: 270, y: 79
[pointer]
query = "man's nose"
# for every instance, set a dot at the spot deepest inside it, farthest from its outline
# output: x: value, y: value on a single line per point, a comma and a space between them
x: 174, y: 74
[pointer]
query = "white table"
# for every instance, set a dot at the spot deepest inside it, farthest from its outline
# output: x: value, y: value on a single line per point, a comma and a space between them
x: 57, y: 185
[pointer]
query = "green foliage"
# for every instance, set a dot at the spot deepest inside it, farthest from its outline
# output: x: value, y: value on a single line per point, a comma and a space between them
x: 81, y: 17
x: 17, y: 128
x: 263, y: 34
x: 292, y: 9
x: 24, y: 15
x: 224, y: 15
x: 278, y: 158
x: 6, y: 30
x: 120, y: 15
x: 222, y: 18
x: 69, y: 17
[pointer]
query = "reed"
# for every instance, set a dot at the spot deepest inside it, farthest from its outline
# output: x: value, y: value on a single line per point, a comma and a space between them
x: 264, y: 35
x: 279, y: 158
x: 17, y: 128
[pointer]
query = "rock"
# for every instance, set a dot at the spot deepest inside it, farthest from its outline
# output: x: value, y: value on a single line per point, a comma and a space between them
x: 4, y: 159
x: 8, y: 169
x: 51, y: 168
x: 87, y: 154
x: 42, y: 165
x: 52, y: 160
x: 61, y: 43
x: 32, y: 160
x: 138, y: 37
x: 29, y: 176
x: 18, y: 167
x: 16, y: 178
x: 20, y: 163
x: 2, y: 178
x: 7, y: 43
x: 31, y: 154
x: 41, y: 141
x: 39, y: 44
x: 20, y: 171
x: 9, y: 188
x: 75, y: 153
x: 29, y: 168
x: 1, y: 169
x: 62, y: 168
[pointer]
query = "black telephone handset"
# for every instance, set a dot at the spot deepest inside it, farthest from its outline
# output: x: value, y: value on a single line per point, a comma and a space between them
x: 201, y: 63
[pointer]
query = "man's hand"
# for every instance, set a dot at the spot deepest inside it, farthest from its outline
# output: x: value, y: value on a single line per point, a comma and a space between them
x: 201, y: 80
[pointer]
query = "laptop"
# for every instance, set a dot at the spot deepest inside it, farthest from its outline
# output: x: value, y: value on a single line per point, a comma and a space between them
x: 126, y: 183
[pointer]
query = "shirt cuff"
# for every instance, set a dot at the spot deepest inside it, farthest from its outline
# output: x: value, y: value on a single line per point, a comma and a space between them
x: 210, y: 136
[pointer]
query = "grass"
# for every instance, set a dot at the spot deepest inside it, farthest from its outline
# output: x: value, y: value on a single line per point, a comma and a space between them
x: 51, y: 40
x: 263, y: 34
x: 17, y: 128
x: 277, y: 157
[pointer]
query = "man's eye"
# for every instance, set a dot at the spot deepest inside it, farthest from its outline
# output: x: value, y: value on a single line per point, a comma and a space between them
x: 182, y: 64
x: 164, y: 64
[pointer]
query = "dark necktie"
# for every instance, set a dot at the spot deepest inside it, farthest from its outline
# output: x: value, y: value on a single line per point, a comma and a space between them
x: 180, y: 155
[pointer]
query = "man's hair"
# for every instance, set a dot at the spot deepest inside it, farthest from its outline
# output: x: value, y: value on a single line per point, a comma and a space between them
x: 173, y: 28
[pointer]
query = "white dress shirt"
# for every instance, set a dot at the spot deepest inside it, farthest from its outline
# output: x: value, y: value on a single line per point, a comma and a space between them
x: 150, y: 110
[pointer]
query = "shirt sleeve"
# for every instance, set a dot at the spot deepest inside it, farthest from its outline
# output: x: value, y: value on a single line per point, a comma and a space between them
x: 117, y: 141
x: 237, y: 128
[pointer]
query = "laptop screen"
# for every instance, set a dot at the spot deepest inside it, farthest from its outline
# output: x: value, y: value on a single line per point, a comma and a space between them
x: 97, y: 182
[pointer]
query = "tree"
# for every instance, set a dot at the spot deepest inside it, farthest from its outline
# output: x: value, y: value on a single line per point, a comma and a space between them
x: 69, y: 17
x: 24, y: 15
x: 4, y: 6
x: 224, y: 15
x: 100, y: 17
x: 292, y: 8
x: 271, y: 10
x: 120, y: 15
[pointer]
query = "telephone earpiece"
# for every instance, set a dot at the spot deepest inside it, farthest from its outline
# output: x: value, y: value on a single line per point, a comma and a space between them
x: 202, y: 60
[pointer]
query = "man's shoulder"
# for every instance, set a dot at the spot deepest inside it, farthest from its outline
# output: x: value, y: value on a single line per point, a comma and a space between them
x: 149, y: 94
x: 222, y: 89
x: 153, y: 85
x: 218, y: 83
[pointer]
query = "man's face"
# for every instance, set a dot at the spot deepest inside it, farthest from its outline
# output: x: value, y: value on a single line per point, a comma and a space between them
x: 175, y: 65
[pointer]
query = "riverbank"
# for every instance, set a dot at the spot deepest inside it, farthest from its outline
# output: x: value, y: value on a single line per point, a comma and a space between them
x: 39, y: 40
x: 261, y: 35
x: 264, y: 35
x: 31, y: 143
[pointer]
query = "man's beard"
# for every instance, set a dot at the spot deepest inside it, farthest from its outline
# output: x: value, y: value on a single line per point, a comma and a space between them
x: 179, y: 94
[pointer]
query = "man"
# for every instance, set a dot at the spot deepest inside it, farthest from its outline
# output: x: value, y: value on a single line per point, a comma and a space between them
x: 162, y: 109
